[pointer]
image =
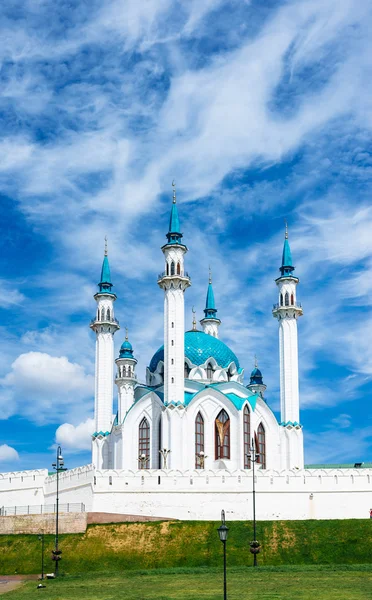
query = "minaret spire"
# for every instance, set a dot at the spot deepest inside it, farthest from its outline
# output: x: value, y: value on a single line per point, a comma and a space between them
x: 210, y: 321
x: 287, y: 312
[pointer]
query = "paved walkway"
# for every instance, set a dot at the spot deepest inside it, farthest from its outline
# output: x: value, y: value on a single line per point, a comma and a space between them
x: 11, y: 582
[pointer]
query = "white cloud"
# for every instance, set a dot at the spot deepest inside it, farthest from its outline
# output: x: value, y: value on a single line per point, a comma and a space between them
x: 343, y: 421
x: 44, y: 387
x: 75, y: 438
x: 7, y: 453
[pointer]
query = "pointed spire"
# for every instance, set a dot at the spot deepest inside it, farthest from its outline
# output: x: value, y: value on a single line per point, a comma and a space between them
x: 105, y: 284
x: 287, y: 264
x: 210, y: 310
x: 174, y: 234
x: 126, y: 349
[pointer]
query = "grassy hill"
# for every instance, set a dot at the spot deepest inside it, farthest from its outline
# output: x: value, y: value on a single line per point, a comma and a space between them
x: 192, y: 544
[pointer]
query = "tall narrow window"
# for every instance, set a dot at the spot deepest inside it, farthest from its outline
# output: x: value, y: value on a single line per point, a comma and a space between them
x: 246, y: 437
x: 108, y: 314
x: 172, y: 268
x: 222, y: 435
x: 209, y: 371
x: 187, y: 371
x: 292, y: 299
x: 261, y: 438
x: 199, y: 441
x: 286, y: 299
x: 144, y: 444
x: 102, y: 314
x: 167, y: 269
x: 178, y: 269
x: 159, y: 443
x: 281, y: 299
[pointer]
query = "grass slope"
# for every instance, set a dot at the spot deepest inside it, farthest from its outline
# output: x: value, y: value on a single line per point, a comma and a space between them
x: 192, y: 544
x: 280, y: 583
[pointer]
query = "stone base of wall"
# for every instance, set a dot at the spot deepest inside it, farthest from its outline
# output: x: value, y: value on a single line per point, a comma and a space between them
x: 103, y: 517
x: 67, y: 523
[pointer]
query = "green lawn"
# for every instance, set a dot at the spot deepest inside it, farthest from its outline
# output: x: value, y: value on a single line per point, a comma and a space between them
x: 244, y: 583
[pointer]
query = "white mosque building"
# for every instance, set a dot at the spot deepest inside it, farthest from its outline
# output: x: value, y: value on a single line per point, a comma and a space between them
x: 194, y: 412
x: 180, y: 445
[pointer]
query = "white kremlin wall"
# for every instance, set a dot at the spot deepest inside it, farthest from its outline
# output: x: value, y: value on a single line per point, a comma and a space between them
x: 200, y: 495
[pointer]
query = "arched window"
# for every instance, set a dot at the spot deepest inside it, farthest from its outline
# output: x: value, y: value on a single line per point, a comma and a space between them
x: 292, y: 299
x: 178, y: 269
x: 199, y: 440
x: 209, y: 371
x: 222, y: 435
x: 172, y: 268
x: 187, y: 371
x: 172, y: 324
x: 167, y: 269
x: 98, y: 315
x: 281, y: 299
x: 102, y: 314
x: 159, y: 443
x: 144, y: 443
x: 261, y: 446
x: 172, y: 342
x: 246, y: 436
x: 108, y: 314
x: 286, y: 300
x: 172, y: 379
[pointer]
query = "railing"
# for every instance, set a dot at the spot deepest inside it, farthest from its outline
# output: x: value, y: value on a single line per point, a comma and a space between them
x: 41, y: 509
x: 105, y: 320
x: 165, y: 274
x: 295, y: 305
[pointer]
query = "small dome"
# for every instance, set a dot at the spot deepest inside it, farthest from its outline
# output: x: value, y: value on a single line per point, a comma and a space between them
x: 200, y: 346
x: 126, y: 350
x: 256, y: 376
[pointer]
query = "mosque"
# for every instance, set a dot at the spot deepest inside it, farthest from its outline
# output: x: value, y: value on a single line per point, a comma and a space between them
x: 195, y: 411
x: 195, y: 438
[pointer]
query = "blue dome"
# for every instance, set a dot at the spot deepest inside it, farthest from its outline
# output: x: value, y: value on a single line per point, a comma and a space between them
x: 200, y: 346
x: 126, y: 350
x: 256, y: 376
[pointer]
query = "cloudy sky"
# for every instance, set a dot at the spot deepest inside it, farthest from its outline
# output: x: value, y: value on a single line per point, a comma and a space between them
x: 261, y: 112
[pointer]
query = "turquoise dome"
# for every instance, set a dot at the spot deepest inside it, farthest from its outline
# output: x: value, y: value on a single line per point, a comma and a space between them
x: 126, y: 350
x: 256, y: 376
x: 200, y: 346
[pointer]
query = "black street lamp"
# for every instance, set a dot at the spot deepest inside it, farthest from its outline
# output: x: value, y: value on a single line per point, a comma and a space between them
x: 59, y: 468
x: 41, y: 538
x: 223, y: 531
x: 254, y: 457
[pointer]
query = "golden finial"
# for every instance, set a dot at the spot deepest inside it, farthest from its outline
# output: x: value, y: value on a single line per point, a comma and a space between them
x: 106, y: 245
x: 174, y: 191
x: 286, y: 230
x: 193, y: 319
x: 126, y: 334
x: 210, y: 274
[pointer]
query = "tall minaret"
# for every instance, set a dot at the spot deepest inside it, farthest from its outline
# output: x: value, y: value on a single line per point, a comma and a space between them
x: 126, y: 378
x: 287, y: 312
x: 105, y: 325
x: 174, y: 281
x: 210, y: 322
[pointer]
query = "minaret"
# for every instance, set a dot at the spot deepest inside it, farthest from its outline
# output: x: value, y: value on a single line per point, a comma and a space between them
x: 105, y: 325
x: 256, y: 384
x: 174, y: 281
x: 210, y: 322
x: 287, y: 312
x: 126, y: 378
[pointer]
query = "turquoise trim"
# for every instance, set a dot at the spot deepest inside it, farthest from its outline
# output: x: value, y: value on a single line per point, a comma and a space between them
x: 174, y: 234
x: 292, y: 423
x: 287, y: 263
x: 105, y: 283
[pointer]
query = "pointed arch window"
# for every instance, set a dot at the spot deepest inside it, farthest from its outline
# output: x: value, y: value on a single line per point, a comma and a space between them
x: 246, y: 437
x: 167, y: 269
x: 292, y: 299
x: 187, y: 371
x: 281, y: 299
x: 172, y: 268
x: 108, y: 314
x: 199, y: 439
x: 102, y: 314
x: 209, y: 371
x: 286, y: 299
x: 261, y: 439
x: 178, y: 269
x: 222, y: 435
x: 144, y: 443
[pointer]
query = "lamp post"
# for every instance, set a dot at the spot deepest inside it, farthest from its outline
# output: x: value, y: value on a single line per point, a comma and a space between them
x: 223, y: 531
x: 59, y: 468
x: 164, y: 453
x: 201, y: 458
x: 41, y: 538
x: 143, y: 459
x: 254, y: 545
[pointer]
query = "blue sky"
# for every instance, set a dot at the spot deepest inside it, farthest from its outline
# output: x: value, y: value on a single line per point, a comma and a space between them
x: 261, y: 112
